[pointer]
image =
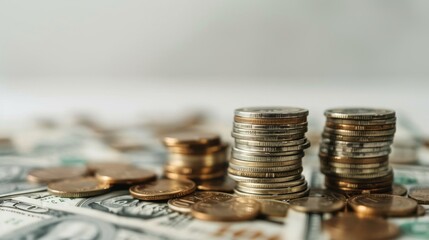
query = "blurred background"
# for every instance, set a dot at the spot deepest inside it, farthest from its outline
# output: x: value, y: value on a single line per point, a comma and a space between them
x: 127, y: 61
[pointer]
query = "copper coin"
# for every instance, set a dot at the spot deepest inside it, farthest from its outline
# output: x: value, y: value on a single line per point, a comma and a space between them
x: 383, y: 205
x: 225, y: 184
x: 197, y: 150
x: 336, y: 183
x: 191, y: 138
x: 206, y: 176
x: 52, y: 174
x: 323, y: 204
x: 340, y: 159
x: 420, y: 194
x: 195, y: 170
x: 230, y: 209
x: 125, y: 176
x: 185, y: 203
x: 162, y: 189
x: 350, y: 226
x: 98, y: 166
x: 274, y: 210
x: 78, y: 187
x: 399, y: 190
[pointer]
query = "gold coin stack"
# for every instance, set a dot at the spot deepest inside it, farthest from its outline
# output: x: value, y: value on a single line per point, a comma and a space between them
x: 355, y: 149
x: 267, y: 157
x: 195, y: 155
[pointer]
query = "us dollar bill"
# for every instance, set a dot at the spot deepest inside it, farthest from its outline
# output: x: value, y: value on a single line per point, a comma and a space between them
x: 155, y: 217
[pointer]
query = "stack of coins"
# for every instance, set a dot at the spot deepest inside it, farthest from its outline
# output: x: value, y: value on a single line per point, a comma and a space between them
x: 195, y: 155
x: 355, y: 148
x: 267, y: 157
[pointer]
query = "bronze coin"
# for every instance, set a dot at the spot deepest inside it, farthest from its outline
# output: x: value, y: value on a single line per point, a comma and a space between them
x: 319, y: 192
x: 197, y: 150
x: 352, y: 227
x: 125, y: 176
x: 207, y: 176
x: 420, y: 194
x: 185, y: 203
x: 336, y: 183
x: 162, y: 189
x: 191, y: 138
x: 383, y: 205
x: 399, y: 190
x: 322, y: 204
x: 231, y: 209
x: 52, y: 174
x: 340, y: 159
x: 78, y: 187
x: 225, y: 184
x: 273, y: 210
x: 195, y: 170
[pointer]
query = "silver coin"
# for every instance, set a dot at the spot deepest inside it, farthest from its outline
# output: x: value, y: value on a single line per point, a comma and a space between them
x: 353, y: 150
x: 286, y: 133
x: 271, y: 144
x: 368, y: 176
x: 265, y: 180
x: 273, y: 149
x: 272, y: 196
x: 274, y: 191
x: 252, y: 158
x: 359, y: 133
x: 335, y: 143
x: 270, y: 127
x: 362, y: 122
x: 294, y: 172
x: 265, y: 164
x: 272, y: 185
x: 354, y: 154
x: 264, y: 169
x: 268, y: 138
x: 348, y: 165
x: 357, y: 138
x: 353, y: 170
x: 359, y: 113
x: 271, y: 112
x: 236, y: 151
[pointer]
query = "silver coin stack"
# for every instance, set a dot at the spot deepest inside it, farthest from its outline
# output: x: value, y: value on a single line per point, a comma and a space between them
x: 355, y: 149
x: 266, y: 159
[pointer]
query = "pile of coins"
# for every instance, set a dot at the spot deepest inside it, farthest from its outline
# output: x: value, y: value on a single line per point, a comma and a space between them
x: 267, y: 156
x: 355, y: 148
x: 195, y: 155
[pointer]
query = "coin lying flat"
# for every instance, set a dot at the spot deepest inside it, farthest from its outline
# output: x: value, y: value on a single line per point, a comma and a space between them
x: 125, y: 176
x: 232, y: 209
x: 274, y: 210
x: 270, y: 121
x: 349, y: 226
x: 162, y: 189
x: 185, y: 203
x: 359, y: 113
x: 399, y: 190
x: 323, y: 204
x: 270, y: 112
x: 420, y: 194
x: 78, y: 187
x: 191, y: 138
x: 52, y: 174
x: 383, y: 205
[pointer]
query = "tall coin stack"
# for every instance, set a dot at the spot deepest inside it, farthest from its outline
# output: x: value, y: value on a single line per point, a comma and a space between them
x: 355, y: 149
x: 195, y: 156
x: 267, y: 157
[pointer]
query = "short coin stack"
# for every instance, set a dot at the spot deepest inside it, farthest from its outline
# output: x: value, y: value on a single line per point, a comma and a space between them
x: 355, y: 148
x: 195, y: 155
x: 267, y: 157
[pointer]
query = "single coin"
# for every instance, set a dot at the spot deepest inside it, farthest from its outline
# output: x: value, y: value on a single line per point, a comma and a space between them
x: 421, y: 211
x: 353, y: 191
x: 273, y: 149
x: 353, y: 171
x: 357, y: 155
x: 352, y: 166
x: 267, y: 157
x: 360, y: 127
x: 97, y: 166
x: 208, y: 176
x: 270, y: 112
x: 323, y: 204
x: 273, y: 191
x: 273, y: 210
x: 363, y: 176
x: 296, y: 142
x: 352, y: 227
x: 341, y: 159
x: 236, y: 151
x: 280, y: 133
x: 264, y: 169
x: 351, y: 133
x: 265, y: 180
x: 52, y: 174
x: 197, y: 150
x: 185, y: 203
x: 420, y: 194
x: 268, y: 137
x: 336, y: 183
x: 207, y: 160
x: 265, y: 164
x: 319, y: 192
x: 340, y: 149
x: 362, y: 122
x: 226, y: 209
x: 272, y: 185
x: 272, y: 196
x: 191, y: 138
x: 125, y: 176
x: 359, y: 113
x: 270, y: 127
x: 336, y: 143
x: 162, y: 189
x: 232, y: 171
x: 365, y: 139
x: 225, y: 184
x: 78, y: 187
x: 383, y: 205
x: 399, y: 190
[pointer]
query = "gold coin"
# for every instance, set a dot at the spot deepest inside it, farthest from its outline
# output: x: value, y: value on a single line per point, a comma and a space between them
x: 231, y: 209
x: 225, y: 184
x: 195, y: 170
x: 162, y: 189
x: 359, y: 127
x: 197, y: 150
x: 53, y: 174
x: 351, y: 227
x: 273, y: 210
x: 383, y: 205
x: 323, y: 204
x: 420, y: 194
x: 270, y: 121
x: 78, y: 187
x: 191, y: 138
x: 125, y: 176
x: 182, y: 160
x: 208, y: 176
x: 399, y: 190
x: 98, y: 166
x: 185, y: 203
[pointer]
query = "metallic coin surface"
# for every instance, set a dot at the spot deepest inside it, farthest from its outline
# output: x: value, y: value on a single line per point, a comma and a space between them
x: 270, y: 112
x: 357, y: 176
x: 191, y: 138
x: 270, y: 121
x: 268, y: 137
x: 78, y: 187
x: 52, y: 174
x: 272, y: 185
x: 232, y: 209
x: 420, y: 194
x: 359, y: 127
x: 323, y: 204
x: 273, y: 191
x: 330, y: 142
x: 265, y: 164
x: 270, y: 127
x: 162, y: 189
x: 185, y: 203
x: 359, y: 113
x: 382, y: 205
x: 225, y: 184
x: 341, y: 159
x: 352, y: 227
x: 365, y: 139
x: 125, y: 176
x: 207, y: 176
x: 97, y: 166
x: 265, y: 180
x: 362, y: 122
x: 264, y: 169
x: 273, y: 149
x: 294, y: 172
x: 197, y: 150
x: 280, y: 133
x: 266, y: 158
x: 399, y: 190
x: 271, y: 144
x: 272, y: 196
x: 237, y: 151
x: 274, y: 210
x: 319, y: 192
x: 351, y: 133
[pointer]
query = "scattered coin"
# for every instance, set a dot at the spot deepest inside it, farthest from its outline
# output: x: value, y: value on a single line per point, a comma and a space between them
x: 399, y: 190
x: 125, y: 176
x: 274, y: 210
x: 52, y: 174
x: 162, y: 189
x: 232, y: 209
x: 78, y: 187
x: 323, y: 204
x: 420, y: 194
x: 185, y: 203
x: 382, y: 205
